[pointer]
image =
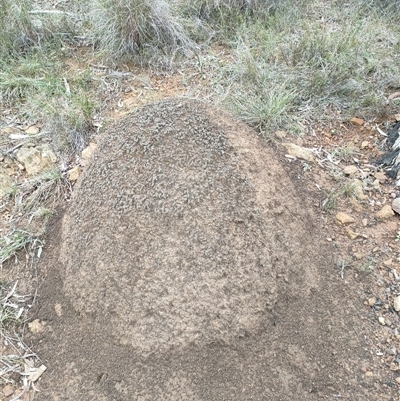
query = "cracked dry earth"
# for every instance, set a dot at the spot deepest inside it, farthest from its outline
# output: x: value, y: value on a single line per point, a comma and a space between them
x: 190, y: 265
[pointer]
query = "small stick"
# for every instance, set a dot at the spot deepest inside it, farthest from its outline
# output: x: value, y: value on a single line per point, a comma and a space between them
x: 380, y: 131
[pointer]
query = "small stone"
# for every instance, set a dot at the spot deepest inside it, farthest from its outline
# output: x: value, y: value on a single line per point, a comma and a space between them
x: 350, y: 170
x: 299, y: 152
x: 381, y: 176
x: 32, y: 130
x: 58, y: 309
x: 381, y: 320
x: 8, y: 390
x: 351, y: 234
x: 36, y: 326
x: 364, y: 144
x: 397, y: 380
x: 364, y: 222
x: 88, y: 152
x: 344, y: 218
x: 397, y: 117
x: 396, y: 304
x: 280, y: 134
x: 396, y: 205
x: 36, y: 160
x: 387, y: 263
x: 371, y: 301
x: 356, y: 205
x: 385, y: 213
x: 369, y: 374
x: 357, y: 121
x: 74, y: 173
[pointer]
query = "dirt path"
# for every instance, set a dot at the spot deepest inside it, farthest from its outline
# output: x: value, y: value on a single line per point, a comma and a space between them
x: 191, y: 265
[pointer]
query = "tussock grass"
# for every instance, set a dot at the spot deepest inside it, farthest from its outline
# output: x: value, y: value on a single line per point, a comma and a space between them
x: 138, y: 30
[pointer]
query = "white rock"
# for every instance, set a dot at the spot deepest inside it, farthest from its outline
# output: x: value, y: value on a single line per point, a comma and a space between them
x: 396, y: 304
x: 381, y: 320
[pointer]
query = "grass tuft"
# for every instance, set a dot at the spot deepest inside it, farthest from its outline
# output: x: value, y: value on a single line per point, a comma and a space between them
x: 11, y: 243
x: 138, y: 30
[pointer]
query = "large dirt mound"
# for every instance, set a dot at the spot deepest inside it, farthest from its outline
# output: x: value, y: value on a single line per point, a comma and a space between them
x: 172, y: 245
x: 189, y: 270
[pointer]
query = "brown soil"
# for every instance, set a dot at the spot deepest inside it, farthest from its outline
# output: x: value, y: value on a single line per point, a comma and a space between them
x: 189, y: 267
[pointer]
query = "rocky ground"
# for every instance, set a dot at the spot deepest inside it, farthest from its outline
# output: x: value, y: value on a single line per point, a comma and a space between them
x: 358, y: 206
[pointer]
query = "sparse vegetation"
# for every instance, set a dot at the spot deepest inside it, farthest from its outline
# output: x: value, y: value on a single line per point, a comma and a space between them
x: 350, y: 190
x: 329, y: 203
x: 345, y: 154
x: 16, y: 240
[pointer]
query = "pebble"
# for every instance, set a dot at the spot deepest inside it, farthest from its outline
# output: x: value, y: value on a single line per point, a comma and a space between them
x: 396, y: 205
x: 88, y: 152
x: 74, y: 173
x: 397, y: 380
x: 396, y: 304
x: 381, y: 320
x: 350, y: 170
x: 381, y: 176
x: 388, y: 263
x: 364, y: 144
x: 369, y: 374
x: 351, y: 234
x: 32, y: 130
x: 344, y: 218
x: 371, y: 301
x: 36, y: 326
x: 36, y: 160
x: 357, y: 121
x: 364, y: 222
x: 385, y: 213
x: 280, y: 134
x: 8, y: 390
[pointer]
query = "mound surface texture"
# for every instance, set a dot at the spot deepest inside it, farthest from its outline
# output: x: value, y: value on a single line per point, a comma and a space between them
x: 189, y: 270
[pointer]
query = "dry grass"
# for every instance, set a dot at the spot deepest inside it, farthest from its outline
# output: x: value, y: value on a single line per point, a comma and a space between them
x: 138, y: 30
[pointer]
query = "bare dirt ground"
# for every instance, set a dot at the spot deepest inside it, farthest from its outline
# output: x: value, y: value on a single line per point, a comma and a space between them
x: 194, y: 263
x: 320, y: 337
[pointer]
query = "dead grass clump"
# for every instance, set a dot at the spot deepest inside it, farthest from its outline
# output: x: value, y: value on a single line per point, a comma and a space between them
x: 146, y: 29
